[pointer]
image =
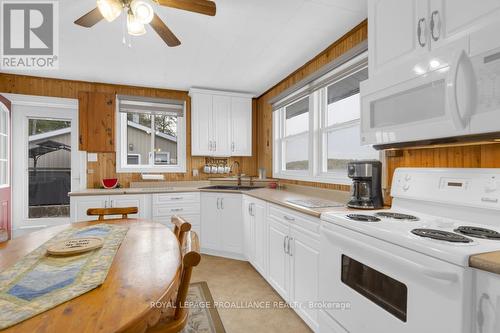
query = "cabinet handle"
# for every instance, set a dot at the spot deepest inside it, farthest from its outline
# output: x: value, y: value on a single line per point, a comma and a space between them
x: 288, y: 218
x: 177, y: 209
x: 289, y: 247
x: 218, y: 203
x: 434, y: 25
x: 106, y: 204
x: 285, y: 242
x: 215, y: 145
x: 250, y: 209
x: 419, y: 32
x: 222, y: 203
x: 232, y: 146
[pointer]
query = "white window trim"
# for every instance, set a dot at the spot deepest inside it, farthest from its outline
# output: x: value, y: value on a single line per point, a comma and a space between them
x: 122, y: 149
x: 3, y: 109
x: 317, y: 132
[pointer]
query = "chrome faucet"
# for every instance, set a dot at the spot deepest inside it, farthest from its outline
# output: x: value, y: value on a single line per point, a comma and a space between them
x: 239, y: 171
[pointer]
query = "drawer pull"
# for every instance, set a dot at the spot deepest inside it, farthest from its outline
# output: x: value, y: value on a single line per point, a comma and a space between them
x: 288, y: 218
x: 176, y: 198
x: 176, y: 209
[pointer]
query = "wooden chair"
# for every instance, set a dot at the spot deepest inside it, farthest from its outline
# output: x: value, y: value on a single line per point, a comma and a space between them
x: 181, y: 227
x: 101, y: 212
x: 175, y: 319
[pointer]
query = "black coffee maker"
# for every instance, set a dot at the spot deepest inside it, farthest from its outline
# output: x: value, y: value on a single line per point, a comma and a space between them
x: 366, y: 192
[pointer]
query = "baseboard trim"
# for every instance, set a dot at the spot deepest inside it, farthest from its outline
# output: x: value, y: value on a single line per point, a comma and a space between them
x: 224, y: 254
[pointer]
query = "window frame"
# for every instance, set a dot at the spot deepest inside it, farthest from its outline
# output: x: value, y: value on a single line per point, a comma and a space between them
x: 122, y: 147
x: 5, y: 111
x: 318, y: 128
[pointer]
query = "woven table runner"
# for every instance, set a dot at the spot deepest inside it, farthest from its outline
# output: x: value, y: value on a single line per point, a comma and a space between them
x: 39, y: 282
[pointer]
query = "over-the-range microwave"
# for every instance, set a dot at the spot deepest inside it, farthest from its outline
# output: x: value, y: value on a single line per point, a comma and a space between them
x: 454, y: 93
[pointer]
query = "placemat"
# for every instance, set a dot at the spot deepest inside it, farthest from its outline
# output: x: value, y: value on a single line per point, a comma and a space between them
x: 39, y: 282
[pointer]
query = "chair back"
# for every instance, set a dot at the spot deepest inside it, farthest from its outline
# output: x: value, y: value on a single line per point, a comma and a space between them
x: 101, y: 212
x: 181, y: 226
x: 190, y: 249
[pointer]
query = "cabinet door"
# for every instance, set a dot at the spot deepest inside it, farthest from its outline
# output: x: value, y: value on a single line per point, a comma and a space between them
x: 248, y: 230
x: 80, y: 204
x: 210, y: 234
x: 279, y: 260
x: 201, y: 125
x: 454, y: 18
x: 222, y: 125
x: 260, y: 232
x: 97, y: 122
x: 304, y: 273
x: 138, y: 200
x: 231, y: 223
x: 241, y: 126
x: 393, y: 32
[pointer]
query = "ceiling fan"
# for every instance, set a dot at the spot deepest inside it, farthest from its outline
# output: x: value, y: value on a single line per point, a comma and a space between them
x: 140, y: 13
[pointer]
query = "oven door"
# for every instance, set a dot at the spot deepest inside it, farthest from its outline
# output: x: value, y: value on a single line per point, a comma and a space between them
x: 389, y: 289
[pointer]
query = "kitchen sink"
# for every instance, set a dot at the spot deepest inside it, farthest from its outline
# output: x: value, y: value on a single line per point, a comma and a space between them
x: 229, y: 187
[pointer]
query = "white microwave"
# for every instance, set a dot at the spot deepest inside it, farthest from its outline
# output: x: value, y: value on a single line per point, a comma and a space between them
x: 459, y: 97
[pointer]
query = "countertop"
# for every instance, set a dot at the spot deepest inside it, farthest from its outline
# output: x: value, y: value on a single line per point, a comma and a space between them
x: 279, y: 197
x: 489, y: 261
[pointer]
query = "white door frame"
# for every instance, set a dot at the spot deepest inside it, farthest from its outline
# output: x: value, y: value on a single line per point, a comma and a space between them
x: 24, y: 107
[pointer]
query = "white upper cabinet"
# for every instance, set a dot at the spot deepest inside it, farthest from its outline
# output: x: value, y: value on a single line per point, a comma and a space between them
x: 452, y: 19
x: 201, y: 124
x: 394, y: 31
x: 241, y: 118
x: 221, y: 123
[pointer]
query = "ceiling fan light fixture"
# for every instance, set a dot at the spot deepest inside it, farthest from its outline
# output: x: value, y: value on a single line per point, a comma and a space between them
x: 134, y: 26
x: 142, y: 10
x: 110, y: 9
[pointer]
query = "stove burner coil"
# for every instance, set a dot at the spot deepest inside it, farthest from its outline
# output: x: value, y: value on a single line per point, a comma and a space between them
x: 397, y: 216
x: 478, y: 232
x: 363, y: 218
x: 441, y: 235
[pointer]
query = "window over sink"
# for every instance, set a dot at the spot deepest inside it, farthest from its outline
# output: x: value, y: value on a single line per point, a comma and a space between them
x: 317, y: 128
x: 151, y: 135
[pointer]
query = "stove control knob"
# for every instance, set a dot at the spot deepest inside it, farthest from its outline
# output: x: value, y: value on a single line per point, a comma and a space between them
x: 406, y: 187
x: 408, y: 178
x: 491, y: 186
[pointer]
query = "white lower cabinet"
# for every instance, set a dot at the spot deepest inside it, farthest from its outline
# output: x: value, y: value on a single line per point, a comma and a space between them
x: 222, y: 224
x: 185, y: 204
x: 294, y: 260
x: 80, y: 204
x: 255, y: 233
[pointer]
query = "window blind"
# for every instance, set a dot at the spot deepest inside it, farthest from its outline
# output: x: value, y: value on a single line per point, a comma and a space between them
x: 148, y: 105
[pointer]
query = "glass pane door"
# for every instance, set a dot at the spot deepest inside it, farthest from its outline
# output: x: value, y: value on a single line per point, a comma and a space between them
x: 49, y: 168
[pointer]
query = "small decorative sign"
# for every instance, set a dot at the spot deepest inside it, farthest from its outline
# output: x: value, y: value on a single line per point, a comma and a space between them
x: 75, y: 246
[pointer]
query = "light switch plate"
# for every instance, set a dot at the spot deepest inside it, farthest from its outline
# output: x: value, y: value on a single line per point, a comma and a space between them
x: 91, y: 157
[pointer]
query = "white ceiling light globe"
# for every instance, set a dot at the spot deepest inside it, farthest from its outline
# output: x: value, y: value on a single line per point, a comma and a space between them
x: 134, y: 26
x: 142, y: 10
x: 110, y: 9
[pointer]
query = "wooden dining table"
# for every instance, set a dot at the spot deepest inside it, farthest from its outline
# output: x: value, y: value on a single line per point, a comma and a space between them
x: 145, y: 269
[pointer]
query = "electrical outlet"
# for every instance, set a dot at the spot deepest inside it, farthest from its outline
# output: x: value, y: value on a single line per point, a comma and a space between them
x: 195, y: 173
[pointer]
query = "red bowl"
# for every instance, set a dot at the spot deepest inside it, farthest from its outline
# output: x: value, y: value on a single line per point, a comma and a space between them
x: 109, y: 182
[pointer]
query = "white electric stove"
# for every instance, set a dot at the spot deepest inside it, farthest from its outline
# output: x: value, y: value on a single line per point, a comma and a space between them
x: 406, y: 269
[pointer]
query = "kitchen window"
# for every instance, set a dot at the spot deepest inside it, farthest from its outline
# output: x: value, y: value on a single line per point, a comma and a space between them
x: 317, y: 131
x: 152, y: 135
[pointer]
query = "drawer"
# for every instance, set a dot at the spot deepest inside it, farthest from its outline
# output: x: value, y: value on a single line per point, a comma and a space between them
x: 176, y: 209
x: 184, y: 197
x: 289, y: 216
x: 167, y: 220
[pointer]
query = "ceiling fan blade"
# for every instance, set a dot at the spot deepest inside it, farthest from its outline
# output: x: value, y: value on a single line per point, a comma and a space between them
x: 90, y: 19
x: 165, y: 33
x: 198, y: 6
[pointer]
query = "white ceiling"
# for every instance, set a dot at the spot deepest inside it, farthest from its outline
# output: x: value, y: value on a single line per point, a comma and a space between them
x: 249, y: 46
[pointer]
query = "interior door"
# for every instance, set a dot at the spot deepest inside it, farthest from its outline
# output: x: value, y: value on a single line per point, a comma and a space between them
x: 5, y: 190
x: 46, y: 161
x: 278, y: 258
x: 222, y: 125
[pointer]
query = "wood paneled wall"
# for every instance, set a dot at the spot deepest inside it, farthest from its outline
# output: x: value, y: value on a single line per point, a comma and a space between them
x: 264, y: 109
x: 105, y: 167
